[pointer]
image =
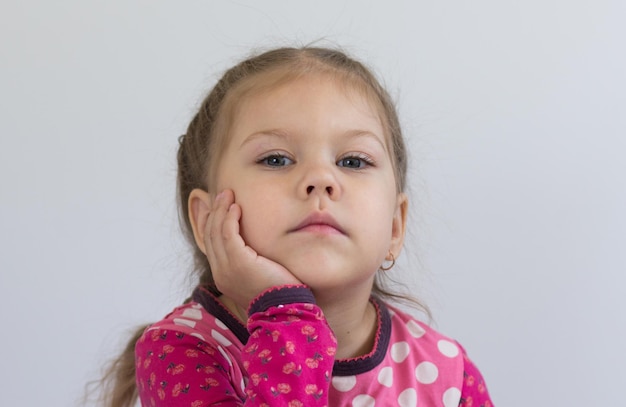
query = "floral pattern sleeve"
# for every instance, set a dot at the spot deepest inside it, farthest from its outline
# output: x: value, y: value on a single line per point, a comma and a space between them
x: 287, y: 360
x: 474, y: 391
x: 177, y: 369
x: 290, y: 354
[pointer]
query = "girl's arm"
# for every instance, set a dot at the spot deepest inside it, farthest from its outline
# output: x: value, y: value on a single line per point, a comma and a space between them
x: 474, y: 391
x: 177, y: 369
x: 288, y: 358
x: 290, y: 354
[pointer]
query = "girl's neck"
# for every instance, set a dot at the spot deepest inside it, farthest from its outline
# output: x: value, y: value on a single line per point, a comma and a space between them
x: 354, y: 324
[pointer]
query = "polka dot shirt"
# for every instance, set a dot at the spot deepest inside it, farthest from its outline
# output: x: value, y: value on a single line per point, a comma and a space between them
x: 201, y: 355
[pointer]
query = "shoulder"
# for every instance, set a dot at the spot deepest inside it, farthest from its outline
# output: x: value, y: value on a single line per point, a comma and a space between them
x: 188, y: 352
x: 406, y: 328
x: 439, y: 358
x: 190, y: 327
x: 435, y: 360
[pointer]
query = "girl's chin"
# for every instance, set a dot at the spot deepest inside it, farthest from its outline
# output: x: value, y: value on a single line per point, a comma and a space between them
x: 329, y: 277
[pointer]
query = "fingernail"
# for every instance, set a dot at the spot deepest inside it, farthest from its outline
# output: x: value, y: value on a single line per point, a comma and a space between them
x: 219, y: 196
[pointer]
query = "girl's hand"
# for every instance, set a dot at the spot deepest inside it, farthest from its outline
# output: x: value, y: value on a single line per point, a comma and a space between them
x: 238, y: 270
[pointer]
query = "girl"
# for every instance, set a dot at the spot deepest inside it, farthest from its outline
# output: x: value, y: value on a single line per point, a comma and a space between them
x: 291, y: 180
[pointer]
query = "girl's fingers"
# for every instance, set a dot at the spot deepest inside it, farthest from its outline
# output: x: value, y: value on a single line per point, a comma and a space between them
x: 214, y: 233
x: 240, y: 256
x: 230, y: 228
x: 225, y: 247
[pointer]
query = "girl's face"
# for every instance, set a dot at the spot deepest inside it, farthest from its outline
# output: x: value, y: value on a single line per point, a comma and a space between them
x: 310, y: 167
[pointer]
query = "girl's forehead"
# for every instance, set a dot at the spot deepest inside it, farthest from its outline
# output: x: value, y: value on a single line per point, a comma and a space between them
x: 324, y: 85
x: 302, y: 103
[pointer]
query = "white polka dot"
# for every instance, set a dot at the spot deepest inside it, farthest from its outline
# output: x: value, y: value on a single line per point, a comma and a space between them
x: 192, y: 313
x: 408, y: 398
x: 385, y: 376
x: 451, y: 397
x: 363, y: 400
x: 220, y: 324
x: 447, y: 348
x: 344, y: 383
x: 220, y: 338
x: 185, y: 322
x: 399, y: 351
x: 415, y: 329
x: 197, y: 335
x: 223, y: 352
x: 426, y: 372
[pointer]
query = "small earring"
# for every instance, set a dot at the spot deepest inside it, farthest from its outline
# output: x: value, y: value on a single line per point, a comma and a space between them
x: 393, y: 263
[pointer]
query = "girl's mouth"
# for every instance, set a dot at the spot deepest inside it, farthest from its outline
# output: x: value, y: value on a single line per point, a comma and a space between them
x: 321, y: 223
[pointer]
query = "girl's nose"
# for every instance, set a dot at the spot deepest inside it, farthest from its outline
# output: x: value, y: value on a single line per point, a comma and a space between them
x: 320, y: 180
x: 311, y: 188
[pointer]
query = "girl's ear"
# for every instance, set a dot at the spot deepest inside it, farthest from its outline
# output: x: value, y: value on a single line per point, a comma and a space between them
x: 199, y: 207
x: 398, y: 228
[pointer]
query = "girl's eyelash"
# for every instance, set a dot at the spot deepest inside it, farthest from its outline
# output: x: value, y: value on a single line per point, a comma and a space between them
x: 275, y: 159
x: 355, y: 161
x: 357, y: 158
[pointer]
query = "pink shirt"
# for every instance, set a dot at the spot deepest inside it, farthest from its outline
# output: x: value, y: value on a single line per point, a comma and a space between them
x: 201, y: 355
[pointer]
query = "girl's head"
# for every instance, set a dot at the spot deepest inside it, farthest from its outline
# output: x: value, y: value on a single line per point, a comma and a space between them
x: 204, y: 155
x: 207, y: 141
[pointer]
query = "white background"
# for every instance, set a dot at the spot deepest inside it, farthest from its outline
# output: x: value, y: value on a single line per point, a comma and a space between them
x: 515, y: 113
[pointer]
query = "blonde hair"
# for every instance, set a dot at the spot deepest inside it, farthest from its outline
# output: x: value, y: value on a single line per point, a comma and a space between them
x: 206, y: 136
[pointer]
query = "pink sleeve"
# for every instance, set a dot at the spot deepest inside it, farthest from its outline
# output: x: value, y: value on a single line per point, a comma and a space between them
x: 474, y: 391
x: 290, y: 354
x: 175, y: 369
x: 289, y: 359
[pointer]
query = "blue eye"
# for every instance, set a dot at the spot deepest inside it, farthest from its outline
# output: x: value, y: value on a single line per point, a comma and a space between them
x: 275, y: 160
x: 353, y: 162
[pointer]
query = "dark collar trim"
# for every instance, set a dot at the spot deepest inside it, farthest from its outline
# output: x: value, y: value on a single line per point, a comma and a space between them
x: 214, y: 307
x: 344, y: 367
x: 365, y: 363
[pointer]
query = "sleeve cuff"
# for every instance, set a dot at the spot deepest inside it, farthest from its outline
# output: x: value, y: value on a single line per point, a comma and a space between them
x: 277, y: 296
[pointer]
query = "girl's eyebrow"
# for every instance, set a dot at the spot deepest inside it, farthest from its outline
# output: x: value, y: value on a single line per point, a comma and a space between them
x: 265, y: 133
x: 368, y: 135
x: 352, y: 134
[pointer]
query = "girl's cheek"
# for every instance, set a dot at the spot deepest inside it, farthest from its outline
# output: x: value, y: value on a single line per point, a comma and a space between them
x: 253, y: 231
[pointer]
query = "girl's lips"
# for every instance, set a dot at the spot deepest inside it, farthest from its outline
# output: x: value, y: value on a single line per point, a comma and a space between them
x: 319, y: 223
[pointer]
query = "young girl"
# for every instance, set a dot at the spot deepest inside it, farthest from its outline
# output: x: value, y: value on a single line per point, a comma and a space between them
x: 291, y: 180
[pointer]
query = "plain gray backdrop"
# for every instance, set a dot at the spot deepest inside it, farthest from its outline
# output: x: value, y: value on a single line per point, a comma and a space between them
x: 515, y: 114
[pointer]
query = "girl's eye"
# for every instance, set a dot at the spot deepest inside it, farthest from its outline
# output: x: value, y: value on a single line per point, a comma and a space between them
x: 354, y: 162
x: 275, y: 160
